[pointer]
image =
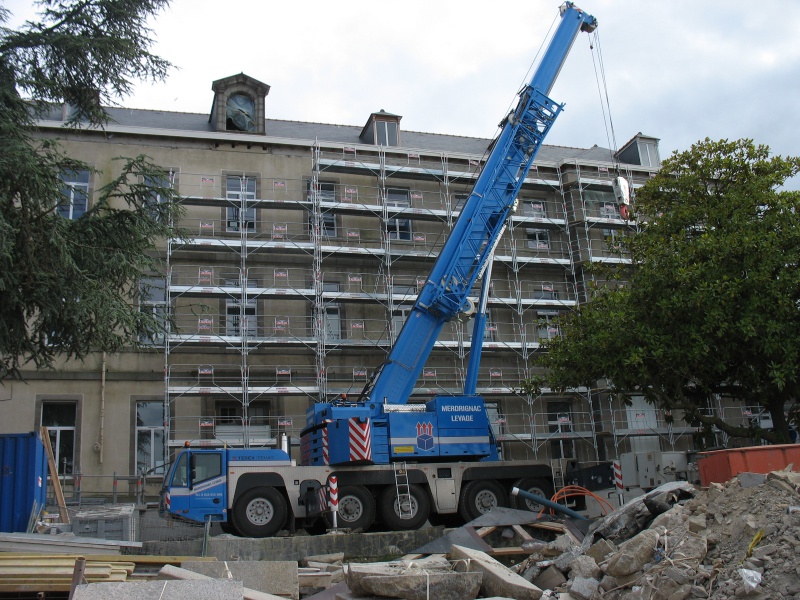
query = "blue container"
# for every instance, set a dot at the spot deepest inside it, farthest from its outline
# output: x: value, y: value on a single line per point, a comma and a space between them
x: 23, y: 479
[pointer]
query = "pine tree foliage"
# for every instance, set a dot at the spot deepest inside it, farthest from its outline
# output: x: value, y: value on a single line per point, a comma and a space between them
x: 710, y: 304
x: 70, y: 286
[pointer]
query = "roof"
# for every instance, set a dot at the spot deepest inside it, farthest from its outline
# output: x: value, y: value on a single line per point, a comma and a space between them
x: 342, y: 134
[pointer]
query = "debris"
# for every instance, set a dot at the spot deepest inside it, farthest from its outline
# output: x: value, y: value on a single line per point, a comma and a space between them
x: 498, y: 580
x: 169, y: 572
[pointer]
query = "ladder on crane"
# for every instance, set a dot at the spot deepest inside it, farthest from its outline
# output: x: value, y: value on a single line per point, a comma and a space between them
x: 404, y: 508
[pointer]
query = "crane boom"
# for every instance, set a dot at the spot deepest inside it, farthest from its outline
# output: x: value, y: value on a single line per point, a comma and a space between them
x: 482, y: 221
x: 381, y: 427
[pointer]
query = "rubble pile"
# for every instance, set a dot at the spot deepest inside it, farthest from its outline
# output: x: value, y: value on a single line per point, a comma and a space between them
x: 737, y: 540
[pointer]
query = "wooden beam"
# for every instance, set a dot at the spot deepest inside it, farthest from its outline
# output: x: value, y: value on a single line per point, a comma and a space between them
x: 51, y: 463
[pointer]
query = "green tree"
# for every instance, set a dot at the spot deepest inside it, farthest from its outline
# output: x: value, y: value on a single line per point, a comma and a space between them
x: 69, y: 286
x: 710, y: 304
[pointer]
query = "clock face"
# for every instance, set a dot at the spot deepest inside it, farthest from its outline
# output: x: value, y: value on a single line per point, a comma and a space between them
x: 240, y: 113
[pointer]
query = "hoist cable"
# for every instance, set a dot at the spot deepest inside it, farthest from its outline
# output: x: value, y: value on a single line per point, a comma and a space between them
x: 602, y: 91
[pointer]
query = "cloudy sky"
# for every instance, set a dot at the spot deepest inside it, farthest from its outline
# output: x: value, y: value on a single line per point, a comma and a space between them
x: 679, y: 70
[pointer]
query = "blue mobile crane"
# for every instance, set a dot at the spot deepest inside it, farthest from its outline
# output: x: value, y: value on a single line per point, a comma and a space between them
x: 367, y: 444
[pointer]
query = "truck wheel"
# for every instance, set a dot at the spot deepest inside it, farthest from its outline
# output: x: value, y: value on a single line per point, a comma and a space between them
x: 540, y: 487
x: 479, y: 497
x: 414, y: 513
x: 356, y: 508
x: 260, y: 512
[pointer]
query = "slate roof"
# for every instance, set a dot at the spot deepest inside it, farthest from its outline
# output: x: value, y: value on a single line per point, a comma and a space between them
x: 344, y: 134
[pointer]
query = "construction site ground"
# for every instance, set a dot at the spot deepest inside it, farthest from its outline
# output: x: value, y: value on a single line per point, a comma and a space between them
x: 740, y: 539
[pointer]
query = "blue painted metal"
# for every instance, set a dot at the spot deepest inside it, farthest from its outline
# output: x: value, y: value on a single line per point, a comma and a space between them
x: 482, y: 221
x: 23, y: 479
x: 478, y: 331
x: 462, y: 261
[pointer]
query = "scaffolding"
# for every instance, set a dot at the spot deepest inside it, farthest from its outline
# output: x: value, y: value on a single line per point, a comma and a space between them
x: 291, y: 291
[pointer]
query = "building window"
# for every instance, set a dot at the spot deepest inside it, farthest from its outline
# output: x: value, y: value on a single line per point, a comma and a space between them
x: 609, y: 210
x: 237, y: 322
x: 327, y: 223
x: 60, y: 418
x: 534, y: 208
x: 326, y: 191
x: 74, y: 199
x: 559, y: 423
x: 386, y: 133
x: 613, y: 238
x: 240, y: 113
x: 538, y: 239
x: 648, y: 154
x: 459, y: 200
x: 398, y: 228
x: 241, y: 191
x: 155, y: 199
x: 548, y: 327
x: 399, y: 318
x: 332, y: 315
x: 153, y: 300
x: 150, y: 437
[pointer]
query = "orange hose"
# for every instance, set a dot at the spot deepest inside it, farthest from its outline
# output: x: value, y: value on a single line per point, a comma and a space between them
x: 571, y: 491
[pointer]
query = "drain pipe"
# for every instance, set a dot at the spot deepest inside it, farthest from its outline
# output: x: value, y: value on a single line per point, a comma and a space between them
x: 101, y: 433
x: 548, y: 503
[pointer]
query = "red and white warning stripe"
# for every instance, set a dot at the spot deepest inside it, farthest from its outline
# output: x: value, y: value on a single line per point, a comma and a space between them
x: 360, y: 440
x: 325, y: 459
x: 333, y: 489
x: 618, y: 476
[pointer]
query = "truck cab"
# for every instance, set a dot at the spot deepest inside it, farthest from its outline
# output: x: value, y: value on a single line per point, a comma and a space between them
x: 196, y: 486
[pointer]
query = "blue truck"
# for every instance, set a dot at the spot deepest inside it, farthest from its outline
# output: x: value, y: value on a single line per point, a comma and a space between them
x: 380, y: 460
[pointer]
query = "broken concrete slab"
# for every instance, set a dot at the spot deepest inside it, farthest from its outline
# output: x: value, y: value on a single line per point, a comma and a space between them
x: 211, y: 589
x: 750, y: 480
x: 498, y: 580
x: 422, y: 585
x: 356, y: 572
x: 275, y: 577
x: 170, y: 572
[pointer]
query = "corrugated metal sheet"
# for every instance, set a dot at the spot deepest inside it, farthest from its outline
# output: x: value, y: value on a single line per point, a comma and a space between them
x: 23, y: 479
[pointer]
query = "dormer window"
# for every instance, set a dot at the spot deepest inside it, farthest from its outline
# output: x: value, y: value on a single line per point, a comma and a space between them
x: 239, y: 105
x: 386, y: 133
x: 382, y: 129
x: 641, y: 150
x: 240, y: 113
